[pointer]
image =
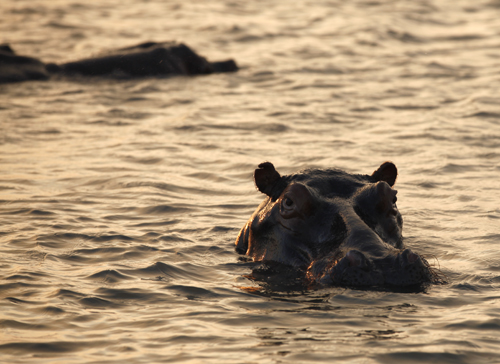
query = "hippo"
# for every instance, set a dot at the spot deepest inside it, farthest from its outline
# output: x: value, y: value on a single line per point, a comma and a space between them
x: 334, y: 227
x: 148, y: 59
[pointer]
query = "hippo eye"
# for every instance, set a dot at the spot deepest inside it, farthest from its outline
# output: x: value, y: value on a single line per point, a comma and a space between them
x: 296, y: 202
x: 288, y: 202
x: 287, y: 209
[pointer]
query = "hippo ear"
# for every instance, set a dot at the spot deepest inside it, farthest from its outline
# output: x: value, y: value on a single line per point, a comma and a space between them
x: 265, y: 177
x: 386, y: 172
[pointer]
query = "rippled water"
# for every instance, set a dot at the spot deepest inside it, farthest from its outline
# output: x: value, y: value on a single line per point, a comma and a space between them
x: 121, y: 200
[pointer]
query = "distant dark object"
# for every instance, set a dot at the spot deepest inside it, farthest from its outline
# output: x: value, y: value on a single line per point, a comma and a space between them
x: 143, y: 60
x: 14, y: 68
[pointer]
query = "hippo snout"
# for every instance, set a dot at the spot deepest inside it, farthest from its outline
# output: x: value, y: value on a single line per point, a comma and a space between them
x: 357, y: 259
x: 413, y: 269
x: 356, y: 269
x: 409, y: 257
x: 404, y: 268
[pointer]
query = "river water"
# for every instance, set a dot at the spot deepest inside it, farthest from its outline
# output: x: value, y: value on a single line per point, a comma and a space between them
x: 120, y: 199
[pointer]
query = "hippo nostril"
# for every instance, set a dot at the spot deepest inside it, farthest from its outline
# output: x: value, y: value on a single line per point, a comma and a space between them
x: 355, y: 258
x: 411, y: 257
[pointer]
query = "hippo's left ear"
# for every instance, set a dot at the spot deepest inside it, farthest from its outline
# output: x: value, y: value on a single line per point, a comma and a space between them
x: 265, y: 178
x: 386, y: 172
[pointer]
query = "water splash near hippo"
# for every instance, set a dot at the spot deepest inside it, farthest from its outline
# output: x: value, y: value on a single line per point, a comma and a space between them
x: 333, y: 228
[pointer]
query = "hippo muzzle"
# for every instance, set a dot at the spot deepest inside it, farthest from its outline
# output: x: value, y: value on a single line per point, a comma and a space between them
x: 335, y: 227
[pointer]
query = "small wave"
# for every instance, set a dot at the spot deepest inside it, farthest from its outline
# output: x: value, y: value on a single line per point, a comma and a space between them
x: 96, y: 302
x: 328, y: 70
x: 404, y: 36
x: 51, y: 310
x: 193, y: 293
x: 457, y: 168
x: 45, y: 131
x: 487, y: 325
x: 121, y: 113
x: 59, y: 25
x: 431, y: 136
x: 214, y: 177
x: 18, y: 301
x: 66, y: 293
x: 30, y: 275
x: 109, y: 276
x: 161, y: 269
x: 174, y: 238
x: 146, y: 161
x: 437, y: 357
x: 248, y: 38
x: 428, y: 185
x: 489, y: 238
x: 107, y: 238
x: 484, y: 115
x: 109, y: 122
x: 225, y: 229
x: 49, y: 347
x: 157, y: 223
x: 174, y: 188
x: 27, y: 211
x: 461, y: 38
x: 70, y: 236
x: 185, y: 271
x: 163, y: 210
x: 131, y: 294
x: 413, y: 107
x: 16, y: 287
x: 18, y: 325
x: 261, y: 128
x: 94, y: 255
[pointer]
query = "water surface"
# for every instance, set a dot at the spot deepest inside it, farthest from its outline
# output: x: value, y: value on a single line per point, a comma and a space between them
x: 120, y: 199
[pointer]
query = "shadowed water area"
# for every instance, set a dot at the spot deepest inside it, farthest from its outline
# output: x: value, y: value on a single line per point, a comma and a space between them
x: 120, y: 200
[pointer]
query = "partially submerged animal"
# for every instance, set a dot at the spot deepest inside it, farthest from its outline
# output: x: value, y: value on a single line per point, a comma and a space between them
x: 335, y: 227
x: 148, y: 59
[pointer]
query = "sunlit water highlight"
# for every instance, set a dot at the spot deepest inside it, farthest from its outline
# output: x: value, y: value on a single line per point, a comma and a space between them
x: 121, y: 200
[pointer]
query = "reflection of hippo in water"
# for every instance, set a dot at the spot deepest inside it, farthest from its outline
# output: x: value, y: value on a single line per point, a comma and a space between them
x: 335, y: 227
x: 146, y: 59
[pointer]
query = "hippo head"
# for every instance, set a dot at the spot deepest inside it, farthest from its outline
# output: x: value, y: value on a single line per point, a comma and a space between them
x: 336, y: 227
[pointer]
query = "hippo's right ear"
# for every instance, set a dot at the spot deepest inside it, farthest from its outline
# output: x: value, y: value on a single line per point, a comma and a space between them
x: 266, y: 177
x: 386, y: 172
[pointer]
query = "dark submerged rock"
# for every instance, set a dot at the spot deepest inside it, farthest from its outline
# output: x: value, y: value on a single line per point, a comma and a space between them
x: 149, y: 59
x: 15, y: 68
